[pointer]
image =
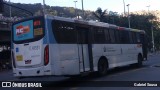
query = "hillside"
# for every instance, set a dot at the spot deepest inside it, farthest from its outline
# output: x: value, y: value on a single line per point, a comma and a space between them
x: 36, y: 9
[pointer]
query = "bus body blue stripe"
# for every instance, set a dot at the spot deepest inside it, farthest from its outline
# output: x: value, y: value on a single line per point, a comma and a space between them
x: 45, y: 36
x: 50, y: 33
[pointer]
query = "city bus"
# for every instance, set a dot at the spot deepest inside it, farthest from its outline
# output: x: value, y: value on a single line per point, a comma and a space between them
x: 52, y: 45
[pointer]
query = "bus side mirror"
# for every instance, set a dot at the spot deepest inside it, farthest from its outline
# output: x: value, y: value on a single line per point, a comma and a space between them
x: 1, y: 6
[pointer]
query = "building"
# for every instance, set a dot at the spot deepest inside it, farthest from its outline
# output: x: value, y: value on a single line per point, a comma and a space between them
x: 5, y: 39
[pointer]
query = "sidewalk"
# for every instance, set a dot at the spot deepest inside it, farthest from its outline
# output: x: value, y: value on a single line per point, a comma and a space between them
x: 154, y: 53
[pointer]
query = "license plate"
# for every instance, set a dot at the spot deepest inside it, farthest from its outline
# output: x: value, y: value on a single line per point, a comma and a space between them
x: 19, y: 58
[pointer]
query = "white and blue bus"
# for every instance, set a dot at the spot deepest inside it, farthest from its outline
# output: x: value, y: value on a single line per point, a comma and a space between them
x: 49, y: 45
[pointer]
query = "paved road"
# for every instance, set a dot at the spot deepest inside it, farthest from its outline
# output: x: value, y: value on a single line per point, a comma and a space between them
x: 149, y: 72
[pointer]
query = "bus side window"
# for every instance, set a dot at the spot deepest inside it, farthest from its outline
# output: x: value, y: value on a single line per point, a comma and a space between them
x: 99, y: 35
x: 142, y: 38
x: 134, y: 38
x: 112, y: 35
x: 83, y: 33
x: 107, y: 35
x: 138, y: 37
x: 64, y: 32
x: 131, y: 38
x: 117, y: 34
x: 124, y: 36
x: 121, y: 37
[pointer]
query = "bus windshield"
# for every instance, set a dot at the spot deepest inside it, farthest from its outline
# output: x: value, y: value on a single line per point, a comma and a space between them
x: 28, y: 30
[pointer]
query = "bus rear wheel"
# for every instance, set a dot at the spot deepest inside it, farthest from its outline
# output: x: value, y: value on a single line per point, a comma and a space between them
x: 102, y: 67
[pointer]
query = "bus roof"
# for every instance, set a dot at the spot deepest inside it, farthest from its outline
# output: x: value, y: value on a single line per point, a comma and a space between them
x: 92, y: 23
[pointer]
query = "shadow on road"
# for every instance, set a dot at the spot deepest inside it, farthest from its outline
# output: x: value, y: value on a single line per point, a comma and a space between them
x: 89, y: 80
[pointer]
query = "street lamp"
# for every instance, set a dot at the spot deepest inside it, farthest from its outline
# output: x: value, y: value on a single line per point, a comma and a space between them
x: 75, y: 8
x: 128, y: 16
x: 148, y: 8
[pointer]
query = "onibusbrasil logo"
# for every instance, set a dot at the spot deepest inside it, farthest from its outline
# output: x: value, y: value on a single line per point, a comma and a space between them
x: 20, y: 84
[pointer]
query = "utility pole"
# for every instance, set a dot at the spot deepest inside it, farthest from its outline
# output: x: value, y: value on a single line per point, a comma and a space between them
x: 128, y: 16
x: 152, y: 38
x: 83, y: 10
x: 44, y: 8
x: 124, y: 7
x: 10, y: 10
x: 75, y: 9
x: 153, y: 45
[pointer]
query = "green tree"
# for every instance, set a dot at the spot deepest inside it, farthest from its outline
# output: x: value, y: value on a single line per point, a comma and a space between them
x: 99, y: 14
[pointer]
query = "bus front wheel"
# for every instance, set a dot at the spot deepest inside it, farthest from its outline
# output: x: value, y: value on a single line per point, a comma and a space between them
x: 102, y: 67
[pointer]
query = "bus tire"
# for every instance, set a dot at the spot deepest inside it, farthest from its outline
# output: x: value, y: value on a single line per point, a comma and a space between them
x: 140, y: 59
x: 102, y: 67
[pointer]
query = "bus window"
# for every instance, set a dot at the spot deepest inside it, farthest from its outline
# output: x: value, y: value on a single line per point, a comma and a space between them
x: 112, y: 35
x: 82, y: 35
x: 130, y: 37
x: 28, y: 30
x: 107, y: 36
x: 138, y: 38
x: 99, y: 35
x: 117, y: 36
x: 134, y: 38
x: 124, y: 37
x: 64, y: 32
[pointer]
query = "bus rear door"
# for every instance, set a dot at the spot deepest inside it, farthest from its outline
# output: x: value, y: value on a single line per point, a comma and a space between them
x: 85, y: 52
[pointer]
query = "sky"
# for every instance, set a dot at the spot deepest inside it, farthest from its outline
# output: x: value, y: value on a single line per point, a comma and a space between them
x: 110, y: 5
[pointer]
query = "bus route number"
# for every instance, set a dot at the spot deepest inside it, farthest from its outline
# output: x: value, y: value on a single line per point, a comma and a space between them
x: 34, y: 47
